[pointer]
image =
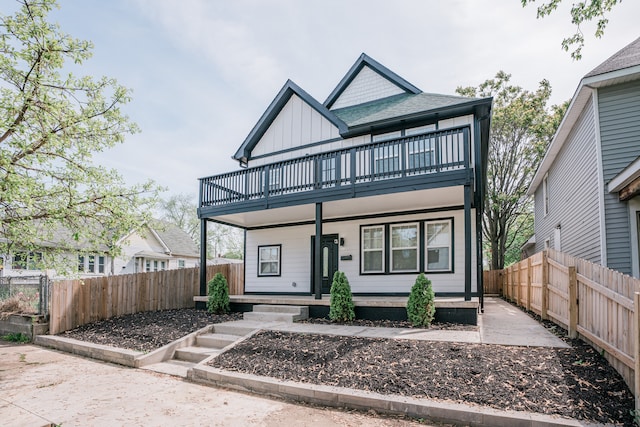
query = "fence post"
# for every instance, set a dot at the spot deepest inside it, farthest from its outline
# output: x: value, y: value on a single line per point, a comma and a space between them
x: 545, y: 283
x: 529, y: 284
x: 573, y: 303
x: 636, y: 352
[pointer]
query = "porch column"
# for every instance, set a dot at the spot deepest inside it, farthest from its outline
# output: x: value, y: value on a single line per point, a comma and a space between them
x: 479, y: 265
x: 203, y: 257
x: 317, y: 258
x: 467, y: 242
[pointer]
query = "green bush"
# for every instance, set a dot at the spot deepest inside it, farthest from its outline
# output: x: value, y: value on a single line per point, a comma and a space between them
x: 421, y: 307
x: 16, y: 337
x: 341, y: 308
x: 218, y: 301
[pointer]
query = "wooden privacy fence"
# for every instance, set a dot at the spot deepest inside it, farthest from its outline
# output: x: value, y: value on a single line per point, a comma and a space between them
x: 592, y: 302
x: 492, y: 281
x: 78, y: 302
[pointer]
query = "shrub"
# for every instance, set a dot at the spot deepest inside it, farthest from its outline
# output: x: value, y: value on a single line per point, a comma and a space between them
x: 341, y: 308
x: 421, y: 307
x: 218, y: 301
x: 17, y: 337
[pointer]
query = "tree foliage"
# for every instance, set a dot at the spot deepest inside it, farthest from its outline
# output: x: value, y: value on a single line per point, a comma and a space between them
x: 522, y: 126
x: 421, y: 307
x: 218, y: 297
x: 224, y: 240
x: 341, y: 307
x: 581, y: 12
x: 51, y: 123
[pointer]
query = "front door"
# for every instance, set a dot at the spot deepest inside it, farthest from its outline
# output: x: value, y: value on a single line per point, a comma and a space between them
x: 328, y: 259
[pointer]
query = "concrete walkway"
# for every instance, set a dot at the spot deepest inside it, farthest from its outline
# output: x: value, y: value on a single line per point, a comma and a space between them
x: 501, y: 323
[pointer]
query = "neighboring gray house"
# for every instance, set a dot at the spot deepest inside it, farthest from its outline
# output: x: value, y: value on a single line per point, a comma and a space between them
x: 587, y: 189
x: 381, y: 181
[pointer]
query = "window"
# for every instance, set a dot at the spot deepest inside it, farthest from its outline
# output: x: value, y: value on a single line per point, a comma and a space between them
x: 163, y: 265
x: 328, y: 169
x: 147, y: 265
x: 420, y: 153
x: 404, y: 248
x: 100, y: 264
x: 545, y: 193
x: 438, y: 245
x: 92, y: 264
x: 274, y: 178
x: 420, y: 129
x: 155, y: 265
x: 373, y: 249
x: 26, y: 261
x: 269, y: 260
x: 180, y: 263
x: 81, y: 263
x: 386, y: 159
x: 386, y: 136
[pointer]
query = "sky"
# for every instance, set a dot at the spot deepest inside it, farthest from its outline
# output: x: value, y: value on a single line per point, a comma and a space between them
x: 202, y: 72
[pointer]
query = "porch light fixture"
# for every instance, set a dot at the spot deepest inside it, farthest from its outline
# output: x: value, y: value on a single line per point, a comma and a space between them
x: 342, y: 241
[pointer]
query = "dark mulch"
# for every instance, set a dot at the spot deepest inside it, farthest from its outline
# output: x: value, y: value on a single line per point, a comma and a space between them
x: 393, y: 324
x: 149, y: 330
x: 575, y: 382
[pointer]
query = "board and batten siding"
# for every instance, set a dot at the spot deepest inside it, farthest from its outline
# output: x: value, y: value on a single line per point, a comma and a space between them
x: 296, y: 257
x: 573, y: 194
x: 619, y: 108
x: 296, y: 124
x: 367, y: 86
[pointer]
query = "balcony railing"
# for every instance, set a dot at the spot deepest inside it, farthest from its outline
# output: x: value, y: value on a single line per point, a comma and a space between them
x: 409, y: 156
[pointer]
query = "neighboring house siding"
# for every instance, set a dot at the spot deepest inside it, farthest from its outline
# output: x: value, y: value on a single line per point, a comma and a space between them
x: 573, y: 194
x: 366, y: 86
x: 620, y: 139
x: 297, y: 124
x: 296, y: 257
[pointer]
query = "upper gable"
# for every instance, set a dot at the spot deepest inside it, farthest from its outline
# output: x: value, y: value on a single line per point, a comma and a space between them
x: 366, y: 86
x: 297, y: 124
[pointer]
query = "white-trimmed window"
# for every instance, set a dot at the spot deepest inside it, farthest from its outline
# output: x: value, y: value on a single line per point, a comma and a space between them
x: 181, y: 263
x: 27, y: 261
x: 545, y: 193
x: 372, y: 249
x: 101, y: 260
x: 163, y: 265
x: 421, y: 152
x: 386, y: 159
x: 92, y: 264
x: 81, y: 263
x: 404, y: 248
x: 438, y: 245
x: 147, y: 265
x: 269, y: 260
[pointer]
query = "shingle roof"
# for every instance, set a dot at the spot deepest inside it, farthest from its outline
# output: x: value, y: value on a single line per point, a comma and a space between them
x: 176, y: 239
x: 628, y: 56
x: 397, y: 106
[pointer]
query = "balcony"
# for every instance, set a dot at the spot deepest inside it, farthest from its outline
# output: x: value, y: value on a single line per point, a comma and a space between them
x: 423, y: 161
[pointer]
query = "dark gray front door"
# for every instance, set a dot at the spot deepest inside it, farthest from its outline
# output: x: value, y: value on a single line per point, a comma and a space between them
x: 328, y: 259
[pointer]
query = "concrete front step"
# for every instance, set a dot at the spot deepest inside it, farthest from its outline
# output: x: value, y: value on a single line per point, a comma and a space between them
x: 293, y: 309
x: 216, y: 340
x: 177, y: 368
x: 270, y: 317
x: 238, y: 327
x: 194, y: 354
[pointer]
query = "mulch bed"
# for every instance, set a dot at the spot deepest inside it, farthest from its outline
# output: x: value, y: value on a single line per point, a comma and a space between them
x: 575, y: 382
x: 149, y: 330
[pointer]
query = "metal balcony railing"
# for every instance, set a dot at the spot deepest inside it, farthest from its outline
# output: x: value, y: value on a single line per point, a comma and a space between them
x: 409, y: 156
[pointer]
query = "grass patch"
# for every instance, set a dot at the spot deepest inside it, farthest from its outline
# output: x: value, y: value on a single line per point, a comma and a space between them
x: 17, y: 337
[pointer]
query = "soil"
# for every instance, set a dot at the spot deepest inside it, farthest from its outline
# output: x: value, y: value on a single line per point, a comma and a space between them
x: 576, y: 382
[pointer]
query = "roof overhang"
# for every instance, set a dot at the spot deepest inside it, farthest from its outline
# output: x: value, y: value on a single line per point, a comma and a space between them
x: 582, y: 95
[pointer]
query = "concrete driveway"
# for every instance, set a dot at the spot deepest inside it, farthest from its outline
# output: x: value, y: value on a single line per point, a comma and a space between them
x: 39, y: 387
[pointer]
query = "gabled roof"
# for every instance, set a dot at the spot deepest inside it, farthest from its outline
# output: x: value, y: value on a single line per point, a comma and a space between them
x: 175, y: 239
x: 621, y: 67
x: 365, y: 60
x: 287, y: 91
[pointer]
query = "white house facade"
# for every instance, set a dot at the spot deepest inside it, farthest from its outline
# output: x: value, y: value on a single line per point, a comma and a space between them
x: 381, y: 181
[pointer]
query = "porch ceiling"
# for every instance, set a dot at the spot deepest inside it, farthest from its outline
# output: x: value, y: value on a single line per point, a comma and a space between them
x: 387, y: 203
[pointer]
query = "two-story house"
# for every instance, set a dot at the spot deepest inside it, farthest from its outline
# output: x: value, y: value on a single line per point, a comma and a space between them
x: 381, y: 181
x: 587, y: 188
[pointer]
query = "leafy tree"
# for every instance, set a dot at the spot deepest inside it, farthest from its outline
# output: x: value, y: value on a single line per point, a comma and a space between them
x: 50, y: 125
x: 218, y: 300
x: 581, y: 12
x: 421, y: 306
x: 522, y: 126
x: 341, y: 307
x: 181, y: 210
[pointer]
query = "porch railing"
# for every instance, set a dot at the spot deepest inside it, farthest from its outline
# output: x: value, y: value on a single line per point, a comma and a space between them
x: 408, y: 156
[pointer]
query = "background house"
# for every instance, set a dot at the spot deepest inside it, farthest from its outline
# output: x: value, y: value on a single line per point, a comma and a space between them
x: 381, y: 181
x: 155, y: 246
x: 587, y: 188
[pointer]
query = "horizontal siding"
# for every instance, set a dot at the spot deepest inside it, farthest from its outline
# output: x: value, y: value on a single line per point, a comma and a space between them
x: 619, y: 111
x: 573, y: 194
x: 296, y: 258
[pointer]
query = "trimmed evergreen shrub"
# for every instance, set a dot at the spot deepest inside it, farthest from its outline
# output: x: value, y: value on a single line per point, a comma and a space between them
x: 218, y: 301
x: 341, y: 308
x: 421, y: 307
